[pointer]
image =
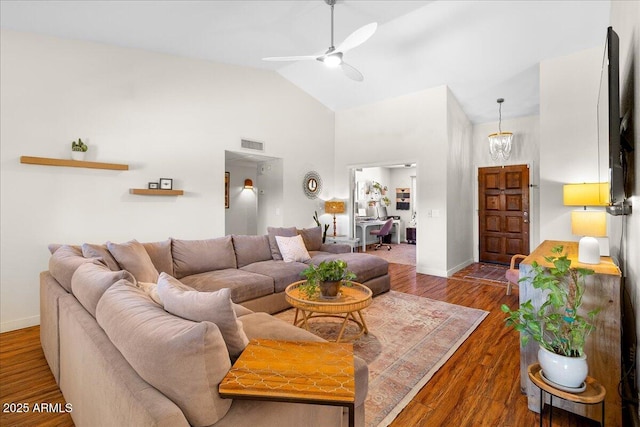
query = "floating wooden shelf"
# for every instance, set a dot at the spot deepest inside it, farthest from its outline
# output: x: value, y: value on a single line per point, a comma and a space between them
x: 46, y: 161
x: 150, y: 192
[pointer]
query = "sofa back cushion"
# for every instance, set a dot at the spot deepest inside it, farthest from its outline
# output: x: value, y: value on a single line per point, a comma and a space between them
x: 91, y: 280
x: 312, y: 238
x: 133, y: 257
x: 215, y: 307
x: 101, y: 252
x: 160, y: 254
x: 184, y: 360
x: 64, y: 262
x: 250, y: 249
x: 199, y: 256
x: 272, y: 232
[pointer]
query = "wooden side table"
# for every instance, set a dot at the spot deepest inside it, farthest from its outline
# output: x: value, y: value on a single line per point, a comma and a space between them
x: 320, y: 373
x: 593, y: 394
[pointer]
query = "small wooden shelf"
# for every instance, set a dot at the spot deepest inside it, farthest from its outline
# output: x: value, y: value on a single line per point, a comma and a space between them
x: 150, y: 192
x: 46, y: 161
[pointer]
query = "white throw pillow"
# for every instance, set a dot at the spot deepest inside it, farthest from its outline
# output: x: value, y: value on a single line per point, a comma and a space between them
x: 292, y: 248
x: 215, y: 307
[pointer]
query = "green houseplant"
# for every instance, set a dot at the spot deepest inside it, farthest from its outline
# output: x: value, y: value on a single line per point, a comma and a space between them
x: 556, y: 325
x: 78, y: 148
x: 326, y: 277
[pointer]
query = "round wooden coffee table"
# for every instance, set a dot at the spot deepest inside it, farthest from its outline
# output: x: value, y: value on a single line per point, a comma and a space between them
x: 352, y: 299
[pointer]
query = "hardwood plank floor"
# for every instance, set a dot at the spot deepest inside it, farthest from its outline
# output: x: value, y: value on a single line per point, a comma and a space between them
x: 478, y: 386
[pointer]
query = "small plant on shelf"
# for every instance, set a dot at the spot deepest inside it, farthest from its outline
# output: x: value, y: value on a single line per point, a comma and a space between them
x: 326, y: 277
x: 79, y: 146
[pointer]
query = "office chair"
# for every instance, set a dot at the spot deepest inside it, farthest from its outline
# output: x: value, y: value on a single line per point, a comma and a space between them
x: 513, y: 273
x: 385, y: 230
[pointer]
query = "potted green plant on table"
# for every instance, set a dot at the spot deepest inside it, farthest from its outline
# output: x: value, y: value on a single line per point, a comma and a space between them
x: 327, y: 277
x: 78, y: 149
x: 556, y: 325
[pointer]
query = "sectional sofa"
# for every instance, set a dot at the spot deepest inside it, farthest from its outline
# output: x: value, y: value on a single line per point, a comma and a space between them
x: 122, y: 356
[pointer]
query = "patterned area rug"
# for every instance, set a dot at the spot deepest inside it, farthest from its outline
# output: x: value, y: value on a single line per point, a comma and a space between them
x: 409, y: 339
x: 491, y: 272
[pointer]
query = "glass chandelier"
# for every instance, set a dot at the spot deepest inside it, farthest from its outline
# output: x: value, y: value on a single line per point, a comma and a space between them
x: 500, y: 143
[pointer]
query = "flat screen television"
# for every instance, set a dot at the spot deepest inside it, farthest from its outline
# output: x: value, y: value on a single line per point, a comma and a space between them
x: 609, y: 130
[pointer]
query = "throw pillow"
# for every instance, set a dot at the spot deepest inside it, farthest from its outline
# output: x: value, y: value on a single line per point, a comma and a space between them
x: 100, y: 251
x: 292, y: 249
x: 215, y: 307
x: 151, y: 289
x: 134, y: 258
x: 199, y: 256
x: 64, y: 262
x: 312, y: 238
x: 160, y: 254
x: 272, y: 232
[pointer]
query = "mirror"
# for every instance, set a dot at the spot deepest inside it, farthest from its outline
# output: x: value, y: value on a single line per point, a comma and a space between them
x: 312, y: 184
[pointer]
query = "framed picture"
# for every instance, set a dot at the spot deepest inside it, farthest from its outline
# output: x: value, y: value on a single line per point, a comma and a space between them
x: 227, y: 178
x: 153, y: 186
x: 166, y: 183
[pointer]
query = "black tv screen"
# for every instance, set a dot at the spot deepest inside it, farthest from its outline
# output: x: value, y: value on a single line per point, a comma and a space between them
x: 609, y: 117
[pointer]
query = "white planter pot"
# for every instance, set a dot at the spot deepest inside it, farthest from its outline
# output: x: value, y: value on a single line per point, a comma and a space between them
x: 566, y: 371
x: 78, y: 155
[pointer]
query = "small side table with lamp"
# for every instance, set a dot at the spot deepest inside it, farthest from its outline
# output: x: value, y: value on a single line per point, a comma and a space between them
x: 334, y: 207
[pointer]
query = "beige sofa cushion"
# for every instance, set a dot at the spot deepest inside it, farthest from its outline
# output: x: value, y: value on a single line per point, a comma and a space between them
x: 272, y: 232
x: 312, y: 238
x: 213, y: 307
x: 133, y: 257
x: 91, y: 280
x: 160, y: 254
x: 250, y: 249
x: 185, y: 360
x: 90, y: 250
x: 198, y: 256
x: 64, y: 262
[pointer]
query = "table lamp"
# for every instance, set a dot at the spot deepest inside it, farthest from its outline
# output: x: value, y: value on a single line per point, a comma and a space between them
x: 334, y: 207
x: 589, y: 224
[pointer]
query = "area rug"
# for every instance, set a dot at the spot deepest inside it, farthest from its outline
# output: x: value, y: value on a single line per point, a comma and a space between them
x: 403, y: 253
x: 491, y: 272
x: 409, y: 339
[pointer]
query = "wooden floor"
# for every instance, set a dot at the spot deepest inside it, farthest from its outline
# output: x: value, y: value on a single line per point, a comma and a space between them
x: 478, y: 386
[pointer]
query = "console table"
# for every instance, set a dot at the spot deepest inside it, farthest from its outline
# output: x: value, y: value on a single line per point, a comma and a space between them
x: 603, y: 348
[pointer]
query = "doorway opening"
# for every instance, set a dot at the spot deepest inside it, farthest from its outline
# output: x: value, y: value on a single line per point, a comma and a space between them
x: 249, y: 208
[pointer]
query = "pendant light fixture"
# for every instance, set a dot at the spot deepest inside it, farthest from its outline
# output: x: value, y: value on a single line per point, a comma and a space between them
x: 500, y: 143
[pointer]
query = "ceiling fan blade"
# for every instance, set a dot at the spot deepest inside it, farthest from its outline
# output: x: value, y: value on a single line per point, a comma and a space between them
x: 358, y: 37
x: 351, y: 72
x: 290, y: 58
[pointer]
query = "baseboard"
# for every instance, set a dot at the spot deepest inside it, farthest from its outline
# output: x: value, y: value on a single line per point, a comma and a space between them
x: 459, y: 267
x: 431, y: 271
x: 19, y: 324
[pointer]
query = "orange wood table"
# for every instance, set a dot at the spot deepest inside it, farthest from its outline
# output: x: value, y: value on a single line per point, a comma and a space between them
x: 294, y: 371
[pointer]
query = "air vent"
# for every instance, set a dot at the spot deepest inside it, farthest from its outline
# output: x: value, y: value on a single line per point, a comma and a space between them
x: 252, y: 145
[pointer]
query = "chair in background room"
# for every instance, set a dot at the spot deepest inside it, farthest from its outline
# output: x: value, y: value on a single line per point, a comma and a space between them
x: 513, y: 273
x: 385, y: 230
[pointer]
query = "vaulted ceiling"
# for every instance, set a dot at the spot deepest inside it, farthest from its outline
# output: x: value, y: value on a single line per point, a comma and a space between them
x: 482, y: 50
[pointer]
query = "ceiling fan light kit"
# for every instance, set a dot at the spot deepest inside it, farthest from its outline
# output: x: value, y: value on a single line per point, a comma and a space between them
x: 332, y: 58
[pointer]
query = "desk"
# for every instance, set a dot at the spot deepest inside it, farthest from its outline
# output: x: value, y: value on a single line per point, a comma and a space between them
x: 363, y: 225
x: 603, y: 347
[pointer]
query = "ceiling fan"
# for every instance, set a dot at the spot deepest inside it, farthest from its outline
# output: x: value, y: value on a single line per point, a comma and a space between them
x: 333, y: 56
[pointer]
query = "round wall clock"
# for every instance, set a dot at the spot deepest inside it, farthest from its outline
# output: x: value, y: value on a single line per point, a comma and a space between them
x: 312, y: 184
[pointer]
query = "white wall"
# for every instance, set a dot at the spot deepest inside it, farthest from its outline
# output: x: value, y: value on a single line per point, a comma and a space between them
x: 242, y: 215
x: 525, y: 150
x: 165, y: 116
x: 459, y: 187
x: 568, y: 134
x: 409, y: 128
x: 401, y: 178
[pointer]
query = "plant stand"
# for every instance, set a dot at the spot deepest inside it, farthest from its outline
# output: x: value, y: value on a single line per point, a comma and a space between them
x: 592, y: 395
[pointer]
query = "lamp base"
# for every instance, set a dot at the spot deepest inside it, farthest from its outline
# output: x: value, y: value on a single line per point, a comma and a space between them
x: 589, y: 250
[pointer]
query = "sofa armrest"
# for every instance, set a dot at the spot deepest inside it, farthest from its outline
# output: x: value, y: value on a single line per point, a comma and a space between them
x: 336, y: 248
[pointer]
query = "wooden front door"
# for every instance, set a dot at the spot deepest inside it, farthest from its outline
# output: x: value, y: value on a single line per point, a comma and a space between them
x: 503, y: 195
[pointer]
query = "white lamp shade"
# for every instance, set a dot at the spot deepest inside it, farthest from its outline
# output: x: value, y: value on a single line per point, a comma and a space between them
x: 589, y: 223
